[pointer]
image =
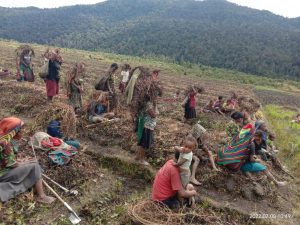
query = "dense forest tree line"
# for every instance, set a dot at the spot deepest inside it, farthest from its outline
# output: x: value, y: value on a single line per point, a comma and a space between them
x: 213, y: 32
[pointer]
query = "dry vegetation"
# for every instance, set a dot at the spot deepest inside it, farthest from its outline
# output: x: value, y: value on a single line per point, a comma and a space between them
x: 107, y: 183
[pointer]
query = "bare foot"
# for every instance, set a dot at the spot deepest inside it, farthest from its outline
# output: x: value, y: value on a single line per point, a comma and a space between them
x: 46, y: 199
x: 192, y: 202
x: 281, y: 184
x: 216, y: 169
x: 195, y: 182
x: 143, y: 162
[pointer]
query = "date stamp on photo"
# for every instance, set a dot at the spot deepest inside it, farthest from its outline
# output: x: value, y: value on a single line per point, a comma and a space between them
x: 270, y: 216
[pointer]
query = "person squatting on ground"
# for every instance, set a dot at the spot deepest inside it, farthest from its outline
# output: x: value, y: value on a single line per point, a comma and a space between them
x: 218, y: 105
x: 98, y: 109
x: 202, y: 137
x: 74, y: 85
x: 185, y: 158
x: 242, y: 150
x: 167, y: 187
x: 209, y: 107
x: 253, y: 164
x: 17, y: 175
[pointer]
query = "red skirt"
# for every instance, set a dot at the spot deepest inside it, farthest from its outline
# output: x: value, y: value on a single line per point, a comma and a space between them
x: 122, y: 86
x: 52, y: 88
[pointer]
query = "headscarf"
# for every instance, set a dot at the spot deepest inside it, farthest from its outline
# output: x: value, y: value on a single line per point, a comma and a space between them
x: 258, y: 124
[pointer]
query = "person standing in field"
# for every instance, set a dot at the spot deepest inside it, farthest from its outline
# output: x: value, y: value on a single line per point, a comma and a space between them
x: 125, y: 77
x: 190, y: 102
x: 53, y: 77
x: 74, y: 86
x: 24, y: 66
x: 108, y: 84
x: 144, y: 111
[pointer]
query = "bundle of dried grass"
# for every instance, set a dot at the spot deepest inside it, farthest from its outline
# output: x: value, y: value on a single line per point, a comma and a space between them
x: 148, y: 212
x: 146, y: 89
x: 24, y: 50
x: 192, y: 88
x: 57, y: 111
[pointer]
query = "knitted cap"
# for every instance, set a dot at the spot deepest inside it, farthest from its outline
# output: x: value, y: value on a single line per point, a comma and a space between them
x: 198, y: 131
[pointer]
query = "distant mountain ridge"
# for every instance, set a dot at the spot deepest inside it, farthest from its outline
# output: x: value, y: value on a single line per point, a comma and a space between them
x: 212, y: 32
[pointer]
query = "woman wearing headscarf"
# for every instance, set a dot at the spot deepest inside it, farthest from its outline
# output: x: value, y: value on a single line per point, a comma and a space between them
x: 17, y: 175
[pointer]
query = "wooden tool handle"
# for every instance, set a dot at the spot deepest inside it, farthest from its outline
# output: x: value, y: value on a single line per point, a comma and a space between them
x: 56, y: 195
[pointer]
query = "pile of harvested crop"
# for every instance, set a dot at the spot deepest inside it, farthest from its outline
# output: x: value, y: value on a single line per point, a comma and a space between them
x: 57, y: 111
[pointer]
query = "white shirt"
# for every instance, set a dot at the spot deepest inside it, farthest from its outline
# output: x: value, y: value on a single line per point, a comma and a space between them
x: 125, y: 75
x: 188, y: 162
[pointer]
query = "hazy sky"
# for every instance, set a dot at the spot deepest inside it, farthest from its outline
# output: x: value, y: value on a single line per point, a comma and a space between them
x: 287, y: 8
x: 45, y: 3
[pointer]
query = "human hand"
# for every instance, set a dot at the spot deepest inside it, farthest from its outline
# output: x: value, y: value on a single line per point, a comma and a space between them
x: 177, y: 148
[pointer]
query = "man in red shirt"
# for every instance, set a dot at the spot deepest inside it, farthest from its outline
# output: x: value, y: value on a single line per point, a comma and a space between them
x: 167, y: 186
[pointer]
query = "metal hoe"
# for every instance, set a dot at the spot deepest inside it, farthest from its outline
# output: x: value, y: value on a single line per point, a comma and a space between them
x: 74, y: 218
x: 72, y: 192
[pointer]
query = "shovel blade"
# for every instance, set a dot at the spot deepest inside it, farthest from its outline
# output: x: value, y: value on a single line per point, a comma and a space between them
x: 74, y: 219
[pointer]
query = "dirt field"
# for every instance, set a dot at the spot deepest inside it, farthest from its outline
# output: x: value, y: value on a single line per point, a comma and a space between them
x: 267, y: 97
x: 105, y: 173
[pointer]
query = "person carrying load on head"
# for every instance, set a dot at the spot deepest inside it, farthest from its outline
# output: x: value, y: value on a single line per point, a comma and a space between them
x: 74, y: 86
x: 53, y: 76
x: 144, y: 111
x: 108, y: 84
x: 24, y: 66
x: 17, y: 175
x: 190, y: 102
x: 125, y: 77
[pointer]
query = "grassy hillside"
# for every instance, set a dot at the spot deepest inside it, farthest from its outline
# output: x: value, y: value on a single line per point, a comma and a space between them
x: 214, y: 33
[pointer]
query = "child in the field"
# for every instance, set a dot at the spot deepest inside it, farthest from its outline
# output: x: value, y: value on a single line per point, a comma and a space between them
x: 185, y: 158
x: 184, y: 162
x: 209, y: 107
x: 218, y: 105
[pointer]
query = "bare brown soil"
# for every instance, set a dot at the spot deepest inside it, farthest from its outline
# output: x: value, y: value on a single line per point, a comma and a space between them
x: 104, y: 189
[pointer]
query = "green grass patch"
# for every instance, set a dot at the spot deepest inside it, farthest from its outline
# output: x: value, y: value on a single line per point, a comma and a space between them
x: 287, y: 134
